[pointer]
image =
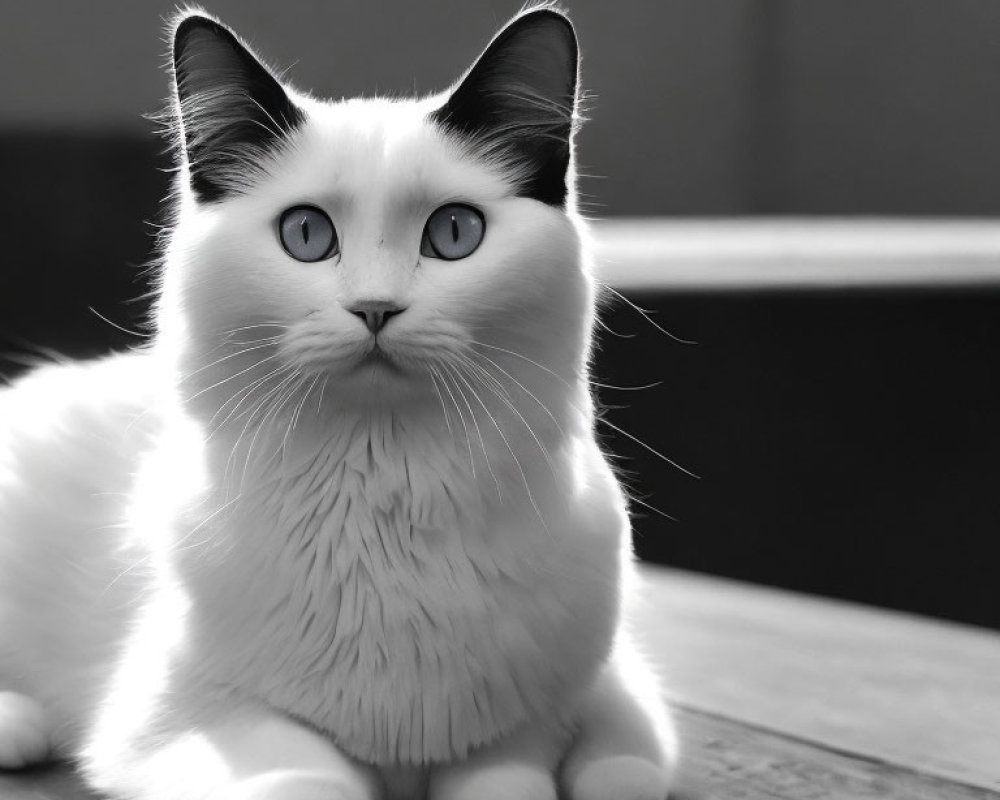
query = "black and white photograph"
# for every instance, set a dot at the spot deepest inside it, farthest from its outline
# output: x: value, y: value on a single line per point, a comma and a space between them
x: 500, y: 400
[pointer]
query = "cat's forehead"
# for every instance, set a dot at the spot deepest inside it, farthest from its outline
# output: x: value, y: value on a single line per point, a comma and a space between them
x: 359, y: 148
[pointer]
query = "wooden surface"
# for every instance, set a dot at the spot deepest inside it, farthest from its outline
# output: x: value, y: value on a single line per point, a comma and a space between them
x: 726, y: 760
x: 910, y: 691
x: 790, y: 697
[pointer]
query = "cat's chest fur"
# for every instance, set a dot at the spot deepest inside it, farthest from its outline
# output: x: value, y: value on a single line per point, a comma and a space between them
x: 380, y: 594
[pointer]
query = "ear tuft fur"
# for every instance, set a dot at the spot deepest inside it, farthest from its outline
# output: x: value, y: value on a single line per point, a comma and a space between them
x: 231, y: 110
x: 517, y: 104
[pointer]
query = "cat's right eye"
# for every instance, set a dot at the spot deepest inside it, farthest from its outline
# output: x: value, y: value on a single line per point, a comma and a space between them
x: 307, y: 234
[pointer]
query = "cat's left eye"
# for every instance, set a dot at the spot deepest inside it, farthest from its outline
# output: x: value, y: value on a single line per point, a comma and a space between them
x: 453, y: 231
x: 307, y: 234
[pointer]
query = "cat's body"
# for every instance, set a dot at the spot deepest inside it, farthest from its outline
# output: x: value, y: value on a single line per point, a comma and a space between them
x: 280, y: 555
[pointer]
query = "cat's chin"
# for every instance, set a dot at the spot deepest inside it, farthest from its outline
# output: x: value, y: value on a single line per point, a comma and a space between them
x: 377, y: 362
x: 378, y: 377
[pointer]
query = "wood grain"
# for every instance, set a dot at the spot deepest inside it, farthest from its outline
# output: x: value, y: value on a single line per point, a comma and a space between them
x: 727, y: 760
x: 907, y: 690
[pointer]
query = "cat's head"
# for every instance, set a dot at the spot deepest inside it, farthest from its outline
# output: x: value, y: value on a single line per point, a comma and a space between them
x: 370, y: 245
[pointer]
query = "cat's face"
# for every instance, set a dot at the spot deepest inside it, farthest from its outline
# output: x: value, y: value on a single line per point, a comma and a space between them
x: 374, y: 244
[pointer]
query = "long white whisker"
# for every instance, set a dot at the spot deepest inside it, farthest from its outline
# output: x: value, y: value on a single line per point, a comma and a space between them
x: 475, y: 421
x: 494, y: 382
x: 520, y: 416
x: 633, y: 499
x: 254, y: 326
x: 530, y: 361
x: 643, y: 387
x: 273, y: 392
x: 461, y: 417
x: 246, y: 391
x: 445, y: 374
x: 523, y: 388
x: 513, y: 455
x: 231, y: 377
x: 601, y: 419
x: 176, y: 546
x: 641, y: 443
x: 298, y: 410
x: 645, y: 315
x: 444, y: 410
x: 240, y: 352
x: 322, y: 389
x: 272, y: 416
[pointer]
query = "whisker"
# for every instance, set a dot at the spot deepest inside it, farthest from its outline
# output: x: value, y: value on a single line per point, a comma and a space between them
x: 271, y: 416
x: 176, y: 546
x: 298, y: 410
x: 524, y: 389
x: 270, y: 324
x: 604, y: 326
x: 525, y: 358
x: 241, y: 352
x: 607, y: 422
x: 322, y: 389
x: 652, y: 385
x: 275, y: 391
x: 633, y: 499
x: 645, y: 315
x: 479, y: 432
x: 231, y: 377
x: 520, y: 416
x: 115, y: 325
x: 641, y: 443
x: 461, y: 416
x: 444, y: 411
x: 494, y: 382
x: 510, y: 449
x: 246, y: 391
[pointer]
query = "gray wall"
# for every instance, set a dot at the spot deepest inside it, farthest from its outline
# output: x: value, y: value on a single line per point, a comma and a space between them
x: 699, y: 106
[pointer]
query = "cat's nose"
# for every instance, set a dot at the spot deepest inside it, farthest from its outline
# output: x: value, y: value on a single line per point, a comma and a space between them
x: 375, y: 313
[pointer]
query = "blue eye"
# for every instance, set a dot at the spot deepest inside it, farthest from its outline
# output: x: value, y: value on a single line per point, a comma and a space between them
x: 307, y: 234
x: 453, y: 231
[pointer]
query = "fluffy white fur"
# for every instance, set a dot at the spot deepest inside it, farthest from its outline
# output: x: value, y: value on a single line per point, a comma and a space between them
x: 253, y: 562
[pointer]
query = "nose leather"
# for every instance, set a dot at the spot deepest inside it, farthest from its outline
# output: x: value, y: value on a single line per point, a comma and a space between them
x: 375, y: 313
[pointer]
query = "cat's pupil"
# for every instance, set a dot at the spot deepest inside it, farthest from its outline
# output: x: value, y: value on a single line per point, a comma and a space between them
x: 307, y: 233
x: 453, y: 231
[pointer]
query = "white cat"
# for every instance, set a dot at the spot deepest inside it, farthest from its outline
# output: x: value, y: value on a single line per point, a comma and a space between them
x: 342, y: 530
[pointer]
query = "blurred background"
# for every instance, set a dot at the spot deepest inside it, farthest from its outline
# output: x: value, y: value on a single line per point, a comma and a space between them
x: 846, y: 438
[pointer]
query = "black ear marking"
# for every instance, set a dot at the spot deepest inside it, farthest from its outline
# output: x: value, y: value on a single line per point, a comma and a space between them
x: 518, y: 101
x: 231, y: 108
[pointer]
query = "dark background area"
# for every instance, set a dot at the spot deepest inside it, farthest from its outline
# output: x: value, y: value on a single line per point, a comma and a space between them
x: 698, y: 107
x: 846, y: 441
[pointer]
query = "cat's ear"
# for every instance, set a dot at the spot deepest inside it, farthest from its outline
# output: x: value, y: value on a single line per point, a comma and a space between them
x: 518, y: 103
x: 231, y: 110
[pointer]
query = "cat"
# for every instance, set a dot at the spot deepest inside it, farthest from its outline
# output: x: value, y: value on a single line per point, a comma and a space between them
x: 341, y: 530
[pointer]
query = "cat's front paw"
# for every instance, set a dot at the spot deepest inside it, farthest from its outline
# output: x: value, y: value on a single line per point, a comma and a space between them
x: 496, y: 782
x: 24, y: 731
x: 296, y: 785
x: 621, y: 778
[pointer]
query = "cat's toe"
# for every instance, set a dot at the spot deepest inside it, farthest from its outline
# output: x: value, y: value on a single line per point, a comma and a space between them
x: 24, y: 732
x: 621, y: 778
x: 495, y: 782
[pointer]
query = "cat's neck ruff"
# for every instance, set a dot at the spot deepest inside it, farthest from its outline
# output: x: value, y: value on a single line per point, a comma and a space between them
x: 357, y: 541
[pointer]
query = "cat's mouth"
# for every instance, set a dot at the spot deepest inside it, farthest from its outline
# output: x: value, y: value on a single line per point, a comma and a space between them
x: 377, y: 359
